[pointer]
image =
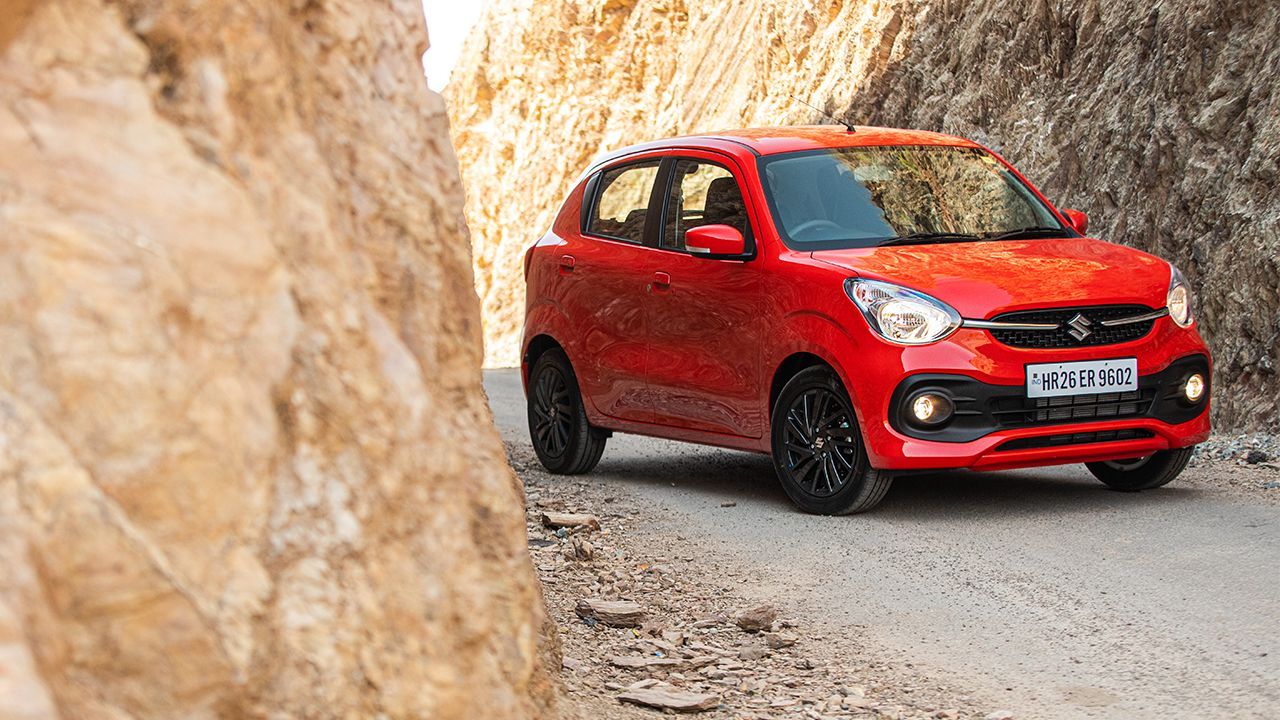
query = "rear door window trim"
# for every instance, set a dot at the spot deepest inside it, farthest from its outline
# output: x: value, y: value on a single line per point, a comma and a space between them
x: 593, y: 191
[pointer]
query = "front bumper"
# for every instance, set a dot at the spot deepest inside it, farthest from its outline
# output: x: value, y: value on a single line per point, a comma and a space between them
x: 997, y: 427
x: 983, y: 408
x: 1088, y: 442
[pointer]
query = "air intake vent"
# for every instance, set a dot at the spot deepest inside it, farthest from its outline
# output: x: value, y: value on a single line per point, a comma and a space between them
x: 1021, y: 412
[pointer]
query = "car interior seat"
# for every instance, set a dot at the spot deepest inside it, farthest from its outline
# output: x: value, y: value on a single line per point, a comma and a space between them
x: 725, y: 206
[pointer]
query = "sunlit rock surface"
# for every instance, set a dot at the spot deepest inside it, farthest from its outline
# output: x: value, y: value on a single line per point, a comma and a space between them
x: 1160, y: 120
x: 246, y: 467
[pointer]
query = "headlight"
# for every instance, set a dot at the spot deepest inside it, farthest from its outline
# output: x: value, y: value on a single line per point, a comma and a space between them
x: 1179, y: 302
x: 901, y: 315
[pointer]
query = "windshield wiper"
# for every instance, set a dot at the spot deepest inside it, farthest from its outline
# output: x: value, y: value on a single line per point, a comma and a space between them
x: 923, y: 238
x: 1029, y: 232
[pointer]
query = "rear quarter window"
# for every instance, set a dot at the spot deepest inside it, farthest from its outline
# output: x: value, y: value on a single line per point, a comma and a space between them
x: 621, y: 206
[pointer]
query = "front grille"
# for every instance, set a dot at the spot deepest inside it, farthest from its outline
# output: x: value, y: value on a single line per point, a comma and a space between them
x: 1061, y: 337
x: 1021, y: 411
x: 1083, y: 438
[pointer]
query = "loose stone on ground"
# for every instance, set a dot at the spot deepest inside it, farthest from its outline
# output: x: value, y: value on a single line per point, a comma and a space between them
x: 649, y: 625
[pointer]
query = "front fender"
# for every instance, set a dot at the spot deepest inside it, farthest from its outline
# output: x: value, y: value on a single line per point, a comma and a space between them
x: 817, y: 334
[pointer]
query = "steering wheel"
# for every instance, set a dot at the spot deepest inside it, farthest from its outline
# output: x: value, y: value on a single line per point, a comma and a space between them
x: 814, y: 224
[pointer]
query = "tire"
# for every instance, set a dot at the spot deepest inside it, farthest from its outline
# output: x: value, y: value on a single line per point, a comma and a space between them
x: 566, y: 444
x: 1142, y: 473
x: 818, y: 451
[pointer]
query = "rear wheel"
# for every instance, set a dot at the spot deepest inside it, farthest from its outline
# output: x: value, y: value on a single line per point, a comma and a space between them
x: 817, y: 448
x: 566, y: 444
x: 1142, y: 473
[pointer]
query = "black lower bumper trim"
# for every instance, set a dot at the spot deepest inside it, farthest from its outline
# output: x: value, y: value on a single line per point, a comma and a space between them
x: 982, y: 408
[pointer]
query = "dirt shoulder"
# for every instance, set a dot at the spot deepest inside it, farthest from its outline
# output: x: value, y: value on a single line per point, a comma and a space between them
x: 1242, y: 464
x: 689, y: 641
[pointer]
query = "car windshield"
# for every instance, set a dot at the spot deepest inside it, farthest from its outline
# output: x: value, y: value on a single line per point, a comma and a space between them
x: 869, y: 196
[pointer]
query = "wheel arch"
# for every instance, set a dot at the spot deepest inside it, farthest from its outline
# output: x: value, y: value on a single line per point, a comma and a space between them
x: 801, y: 357
x: 791, y: 366
x: 534, y: 349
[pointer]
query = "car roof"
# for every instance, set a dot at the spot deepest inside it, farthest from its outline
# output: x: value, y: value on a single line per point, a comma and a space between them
x: 774, y: 140
x: 768, y: 141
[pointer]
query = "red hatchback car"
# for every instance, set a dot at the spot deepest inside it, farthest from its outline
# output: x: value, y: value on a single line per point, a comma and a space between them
x: 859, y: 304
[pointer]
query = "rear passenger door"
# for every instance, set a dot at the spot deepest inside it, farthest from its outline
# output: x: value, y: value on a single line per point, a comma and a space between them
x: 603, y: 274
x: 703, y: 364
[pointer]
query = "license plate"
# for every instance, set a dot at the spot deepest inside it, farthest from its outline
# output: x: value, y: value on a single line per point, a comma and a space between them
x: 1082, y: 378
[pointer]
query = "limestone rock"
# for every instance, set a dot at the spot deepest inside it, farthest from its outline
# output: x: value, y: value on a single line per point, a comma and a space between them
x: 645, y: 662
x: 666, y: 697
x: 614, y: 613
x: 757, y: 618
x: 246, y: 469
x: 1161, y: 120
x: 581, y: 550
x: 570, y: 520
x: 777, y: 641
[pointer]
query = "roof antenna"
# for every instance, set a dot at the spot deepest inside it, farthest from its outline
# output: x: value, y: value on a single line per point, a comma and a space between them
x: 848, y: 125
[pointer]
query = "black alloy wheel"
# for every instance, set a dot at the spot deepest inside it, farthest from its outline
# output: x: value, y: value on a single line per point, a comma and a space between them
x: 821, y: 453
x: 565, y: 442
x: 817, y: 448
x: 554, y: 421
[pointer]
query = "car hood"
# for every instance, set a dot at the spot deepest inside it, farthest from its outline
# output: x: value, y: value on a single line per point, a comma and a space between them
x: 982, y: 279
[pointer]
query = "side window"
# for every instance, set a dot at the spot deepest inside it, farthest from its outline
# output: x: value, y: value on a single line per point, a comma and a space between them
x: 622, y: 202
x: 702, y: 193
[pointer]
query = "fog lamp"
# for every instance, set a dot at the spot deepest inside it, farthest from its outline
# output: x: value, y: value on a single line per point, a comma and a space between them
x: 1194, y: 389
x: 931, y: 408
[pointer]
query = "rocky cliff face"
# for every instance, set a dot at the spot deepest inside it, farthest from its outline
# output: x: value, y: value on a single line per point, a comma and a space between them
x: 1160, y: 120
x: 246, y: 468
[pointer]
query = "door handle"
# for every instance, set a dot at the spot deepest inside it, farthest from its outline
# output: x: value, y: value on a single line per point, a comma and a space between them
x: 566, y: 263
x: 661, y: 281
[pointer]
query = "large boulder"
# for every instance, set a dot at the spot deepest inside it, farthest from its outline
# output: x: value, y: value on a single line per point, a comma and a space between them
x: 246, y: 467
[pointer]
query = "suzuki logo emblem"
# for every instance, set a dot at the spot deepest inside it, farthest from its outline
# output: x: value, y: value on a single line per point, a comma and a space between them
x: 1079, y: 327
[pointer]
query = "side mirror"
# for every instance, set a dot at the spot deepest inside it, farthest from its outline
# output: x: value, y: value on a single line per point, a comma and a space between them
x: 715, y: 240
x: 1079, y: 221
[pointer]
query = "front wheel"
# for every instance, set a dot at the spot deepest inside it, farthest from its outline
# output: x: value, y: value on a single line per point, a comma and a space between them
x: 566, y: 444
x: 817, y: 448
x: 1142, y: 473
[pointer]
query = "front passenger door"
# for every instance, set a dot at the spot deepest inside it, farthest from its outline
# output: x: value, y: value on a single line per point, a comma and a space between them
x: 703, y: 367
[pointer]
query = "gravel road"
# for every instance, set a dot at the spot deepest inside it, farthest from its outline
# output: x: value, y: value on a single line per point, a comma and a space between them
x: 1040, y: 590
